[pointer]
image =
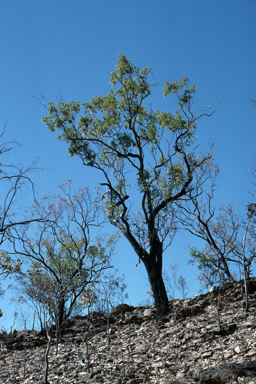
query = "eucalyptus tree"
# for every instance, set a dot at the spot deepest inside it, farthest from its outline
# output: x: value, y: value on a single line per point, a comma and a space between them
x: 63, y: 256
x: 130, y: 144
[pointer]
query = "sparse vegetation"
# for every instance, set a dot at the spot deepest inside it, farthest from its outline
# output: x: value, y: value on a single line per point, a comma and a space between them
x: 60, y: 260
x: 119, y: 135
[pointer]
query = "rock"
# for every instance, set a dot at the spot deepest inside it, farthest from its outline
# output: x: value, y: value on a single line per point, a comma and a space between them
x: 216, y: 376
x: 187, y: 346
x: 251, y: 286
x: 148, y: 312
x: 79, y: 317
x: 85, y: 378
x: 237, y: 349
x: 189, y: 312
x: 69, y: 323
x: 122, y: 309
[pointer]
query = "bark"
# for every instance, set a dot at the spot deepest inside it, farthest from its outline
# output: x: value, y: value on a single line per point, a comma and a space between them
x: 154, y: 270
x: 226, y: 269
x: 61, y: 308
x: 152, y: 262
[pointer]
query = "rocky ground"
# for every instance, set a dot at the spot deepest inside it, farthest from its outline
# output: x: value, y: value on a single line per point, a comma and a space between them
x: 191, y: 345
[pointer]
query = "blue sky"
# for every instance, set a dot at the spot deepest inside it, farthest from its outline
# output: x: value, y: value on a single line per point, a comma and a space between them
x: 68, y: 48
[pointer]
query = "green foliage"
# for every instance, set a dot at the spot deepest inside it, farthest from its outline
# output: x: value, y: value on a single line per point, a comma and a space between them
x: 63, y: 260
x: 251, y: 210
x: 208, y: 265
x: 120, y: 135
x: 109, y: 131
x: 7, y: 265
x: 203, y: 260
x: 44, y: 282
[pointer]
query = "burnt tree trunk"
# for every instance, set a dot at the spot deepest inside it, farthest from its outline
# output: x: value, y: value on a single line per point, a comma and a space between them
x: 154, y: 271
x: 154, y: 265
x: 61, y: 310
x: 152, y: 261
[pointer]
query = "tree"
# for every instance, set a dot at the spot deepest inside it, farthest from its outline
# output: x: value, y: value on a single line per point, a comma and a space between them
x: 196, y: 216
x: 121, y: 136
x: 14, y: 180
x: 64, y: 260
x: 227, y: 237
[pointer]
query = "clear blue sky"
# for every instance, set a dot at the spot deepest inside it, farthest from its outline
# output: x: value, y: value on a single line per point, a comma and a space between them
x: 66, y: 47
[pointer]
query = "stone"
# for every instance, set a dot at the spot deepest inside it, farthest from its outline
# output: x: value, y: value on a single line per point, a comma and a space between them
x: 237, y: 349
x: 122, y: 309
x: 189, y: 312
x: 147, y: 312
x: 187, y: 346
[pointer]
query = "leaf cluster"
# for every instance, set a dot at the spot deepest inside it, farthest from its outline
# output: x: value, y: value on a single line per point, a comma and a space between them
x: 120, y: 134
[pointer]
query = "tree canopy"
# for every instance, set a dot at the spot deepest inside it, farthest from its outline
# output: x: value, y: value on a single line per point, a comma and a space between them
x: 64, y: 257
x: 121, y: 136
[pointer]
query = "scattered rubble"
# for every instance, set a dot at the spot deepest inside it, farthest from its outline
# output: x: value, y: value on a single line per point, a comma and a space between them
x: 187, y: 346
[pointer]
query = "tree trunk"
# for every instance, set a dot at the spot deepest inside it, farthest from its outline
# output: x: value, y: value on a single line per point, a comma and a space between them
x: 61, y: 307
x: 226, y: 269
x: 154, y: 270
x: 152, y: 262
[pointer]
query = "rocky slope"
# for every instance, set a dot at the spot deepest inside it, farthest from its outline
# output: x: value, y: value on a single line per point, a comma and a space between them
x: 191, y: 345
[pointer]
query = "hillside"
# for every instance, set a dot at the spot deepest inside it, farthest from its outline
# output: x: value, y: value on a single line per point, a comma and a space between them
x: 188, y: 346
